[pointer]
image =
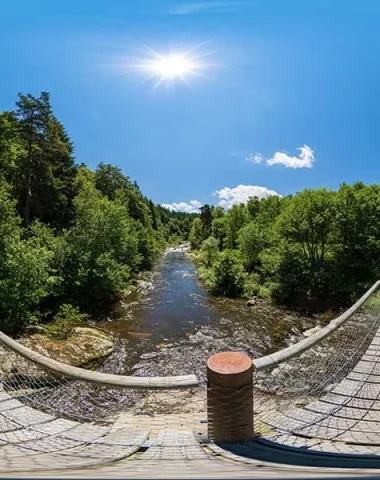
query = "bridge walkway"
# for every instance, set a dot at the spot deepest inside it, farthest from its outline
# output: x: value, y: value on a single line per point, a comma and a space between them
x: 346, y: 420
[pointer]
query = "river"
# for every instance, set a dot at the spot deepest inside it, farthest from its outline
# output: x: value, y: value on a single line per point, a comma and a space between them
x: 170, y: 325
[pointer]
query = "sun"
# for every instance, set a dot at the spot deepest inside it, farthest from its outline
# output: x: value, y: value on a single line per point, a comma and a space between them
x: 172, y: 66
x: 169, y: 68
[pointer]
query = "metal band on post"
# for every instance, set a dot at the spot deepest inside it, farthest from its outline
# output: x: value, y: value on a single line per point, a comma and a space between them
x: 230, y: 397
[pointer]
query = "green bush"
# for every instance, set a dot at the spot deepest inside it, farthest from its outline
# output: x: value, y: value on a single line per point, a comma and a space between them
x: 229, y: 274
x: 251, y: 285
x: 67, y: 318
x: 209, y: 251
x: 26, y: 273
x: 264, y: 292
x: 207, y: 277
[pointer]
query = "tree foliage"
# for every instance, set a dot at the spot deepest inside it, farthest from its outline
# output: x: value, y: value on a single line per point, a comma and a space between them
x: 316, y: 246
x: 68, y: 235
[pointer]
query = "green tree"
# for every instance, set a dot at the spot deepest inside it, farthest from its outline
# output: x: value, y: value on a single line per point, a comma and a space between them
x: 196, y: 233
x: 253, y: 206
x: 229, y: 274
x: 209, y: 251
x: 236, y: 218
x: 11, y: 147
x: 206, y: 219
x: 25, y: 271
x: 45, y: 168
x: 102, y: 248
x: 251, y: 242
x: 217, y: 212
x: 357, y: 237
x: 218, y: 230
x: 110, y: 179
x: 307, y: 223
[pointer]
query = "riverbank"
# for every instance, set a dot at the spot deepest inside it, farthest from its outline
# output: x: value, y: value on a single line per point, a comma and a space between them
x: 171, y: 324
x: 247, y: 287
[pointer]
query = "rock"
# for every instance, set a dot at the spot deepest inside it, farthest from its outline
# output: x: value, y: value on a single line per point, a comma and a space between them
x: 251, y: 302
x: 148, y: 356
x: 139, y: 334
x: 199, y: 337
x: 35, y: 329
x: 85, y: 346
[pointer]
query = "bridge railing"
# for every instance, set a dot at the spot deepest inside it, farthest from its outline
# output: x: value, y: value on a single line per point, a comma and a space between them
x: 307, y: 343
x: 323, y: 373
x: 99, y: 378
x: 42, y: 384
x: 297, y: 374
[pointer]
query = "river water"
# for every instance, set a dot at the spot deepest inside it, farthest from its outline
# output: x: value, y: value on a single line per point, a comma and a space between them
x: 170, y: 325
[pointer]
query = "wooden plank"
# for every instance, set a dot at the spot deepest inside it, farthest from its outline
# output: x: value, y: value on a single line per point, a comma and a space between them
x: 319, y: 431
x: 327, y: 428
x: 323, y: 407
x: 370, y: 358
x: 369, y: 368
x: 9, y: 404
x: 337, y: 411
x: 353, y: 402
x: 338, y: 423
x: 367, y: 427
x: 373, y: 416
x: 374, y: 347
x: 350, y: 388
x: 366, y: 438
x: 344, y: 448
x: 306, y: 416
x: 282, y: 422
x: 295, y: 441
x: 363, y: 377
x: 27, y: 416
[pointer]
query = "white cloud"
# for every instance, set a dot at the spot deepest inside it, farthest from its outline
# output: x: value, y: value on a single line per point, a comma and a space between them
x: 241, y: 193
x: 304, y: 160
x: 191, y: 207
x: 255, y: 158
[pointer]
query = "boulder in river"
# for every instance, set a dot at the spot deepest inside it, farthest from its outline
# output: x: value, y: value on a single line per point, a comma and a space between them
x: 251, y: 302
x: 31, y: 329
x: 85, y: 346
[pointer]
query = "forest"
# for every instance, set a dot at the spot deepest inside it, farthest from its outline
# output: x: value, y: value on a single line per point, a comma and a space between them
x: 313, y: 250
x: 71, y: 239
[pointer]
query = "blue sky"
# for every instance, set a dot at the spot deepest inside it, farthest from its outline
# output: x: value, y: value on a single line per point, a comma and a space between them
x: 282, y: 75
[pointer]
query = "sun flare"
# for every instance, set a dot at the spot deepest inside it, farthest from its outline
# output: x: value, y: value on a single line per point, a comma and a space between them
x: 172, y: 66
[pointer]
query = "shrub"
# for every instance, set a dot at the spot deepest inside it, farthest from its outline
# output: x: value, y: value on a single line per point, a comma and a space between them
x: 209, y: 251
x: 229, y: 274
x: 67, y: 318
x: 251, y: 285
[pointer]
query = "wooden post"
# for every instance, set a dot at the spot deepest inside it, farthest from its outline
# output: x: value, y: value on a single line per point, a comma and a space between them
x: 230, y: 397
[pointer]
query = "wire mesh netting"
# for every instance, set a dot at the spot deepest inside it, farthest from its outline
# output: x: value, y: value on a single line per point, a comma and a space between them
x: 331, y: 391
x: 50, y: 420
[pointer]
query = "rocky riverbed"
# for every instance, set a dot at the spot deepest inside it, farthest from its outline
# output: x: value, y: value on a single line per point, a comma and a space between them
x: 167, y: 324
x: 170, y: 325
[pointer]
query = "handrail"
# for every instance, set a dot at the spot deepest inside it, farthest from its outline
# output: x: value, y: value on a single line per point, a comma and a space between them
x: 182, y: 381
x: 299, y: 347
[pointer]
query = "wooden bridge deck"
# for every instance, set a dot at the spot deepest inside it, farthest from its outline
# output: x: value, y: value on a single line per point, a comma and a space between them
x: 345, y: 420
x: 341, y: 429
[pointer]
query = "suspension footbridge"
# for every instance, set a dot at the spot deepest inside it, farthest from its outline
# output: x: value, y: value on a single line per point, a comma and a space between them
x: 315, y: 403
